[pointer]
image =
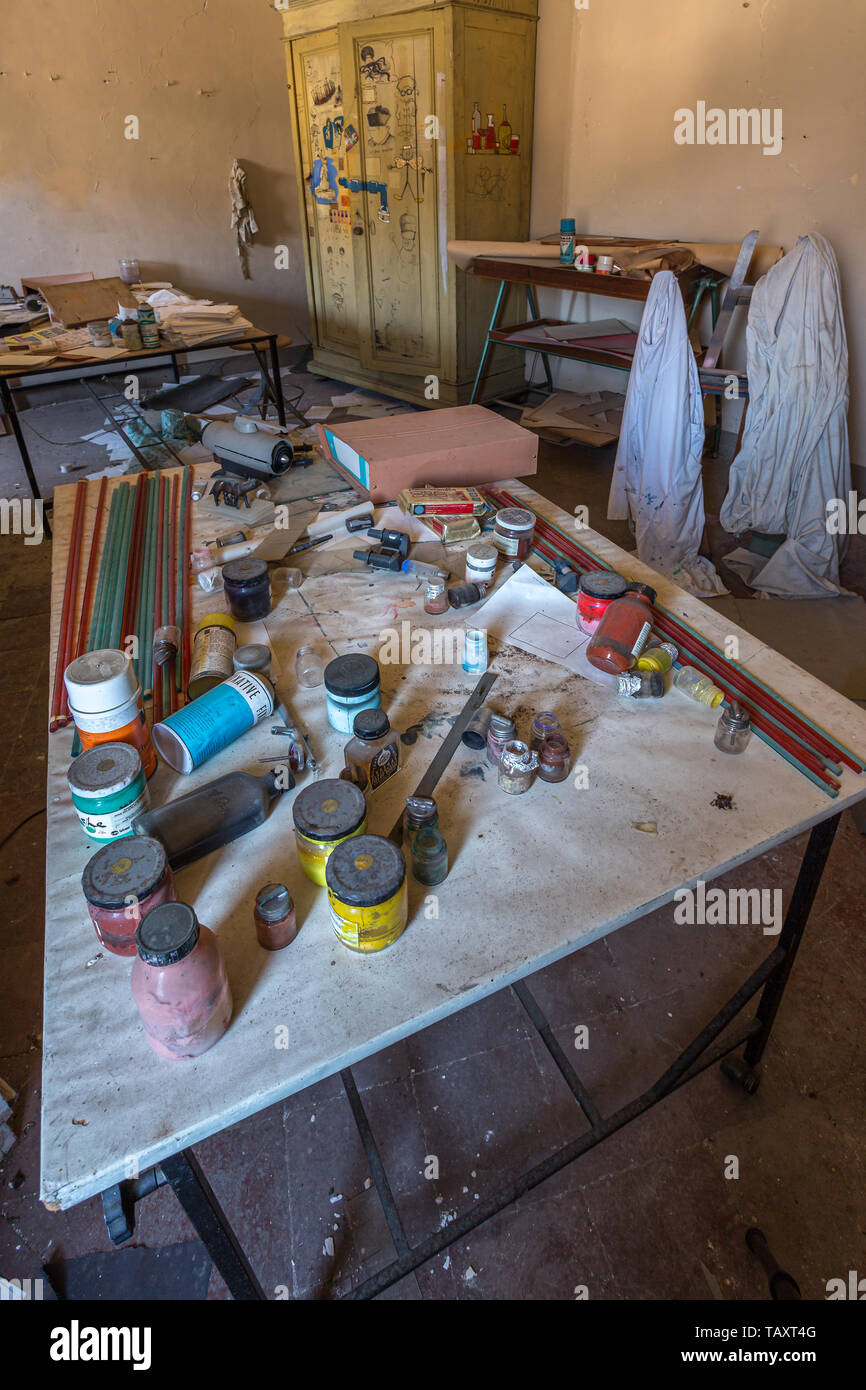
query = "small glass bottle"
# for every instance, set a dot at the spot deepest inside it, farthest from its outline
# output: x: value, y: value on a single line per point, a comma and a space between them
x: 542, y: 726
x: 657, y: 656
x: 500, y: 729
x: 429, y: 856
x: 642, y: 685
x: 421, y: 813
x: 733, y: 730
x: 698, y: 686
x: 504, y: 132
x: 516, y: 768
x: 476, y: 119
x: 554, y: 758
x: 435, y: 597
x: 475, y: 650
x: 274, y: 917
x: 373, y: 755
x: 309, y: 667
x: 490, y: 137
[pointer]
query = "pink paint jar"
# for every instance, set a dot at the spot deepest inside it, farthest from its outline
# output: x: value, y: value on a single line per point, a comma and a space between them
x: 179, y: 983
x: 121, y: 882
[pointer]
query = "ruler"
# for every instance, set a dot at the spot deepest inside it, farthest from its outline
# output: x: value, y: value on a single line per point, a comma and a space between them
x: 447, y: 749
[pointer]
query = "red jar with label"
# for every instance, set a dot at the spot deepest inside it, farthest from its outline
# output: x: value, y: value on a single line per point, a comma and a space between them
x: 121, y: 883
x: 179, y: 983
x: 595, y: 593
x: 621, y: 635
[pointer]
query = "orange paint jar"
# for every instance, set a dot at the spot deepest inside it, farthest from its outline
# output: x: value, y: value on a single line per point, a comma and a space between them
x: 105, y: 702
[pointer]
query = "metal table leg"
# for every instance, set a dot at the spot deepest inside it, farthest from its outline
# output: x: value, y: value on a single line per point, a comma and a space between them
x: 277, y: 382
x: 8, y: 396
x: 486, y: 348
x: 197, y: 1198
x: 533, y: 309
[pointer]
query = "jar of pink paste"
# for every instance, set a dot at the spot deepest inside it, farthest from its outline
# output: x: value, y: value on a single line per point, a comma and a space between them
x: 179, y: 982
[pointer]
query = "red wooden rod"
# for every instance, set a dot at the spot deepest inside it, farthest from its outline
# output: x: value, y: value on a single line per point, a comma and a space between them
x: 157, y: 597
x: 65, y: 631
x: 172, y: 586
x: 187, y: 548
x: 130, y: 586
x: 87, y: 601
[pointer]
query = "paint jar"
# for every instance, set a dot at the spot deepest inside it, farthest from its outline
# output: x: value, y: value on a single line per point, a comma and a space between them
x: 130, y: 335
x: 604, y: 265
x: 352, y: 683
x: 642, y: 685
x: 421, y: 812
x: 475, y: 733
x: 475, y: 650
x: 499, y: 731
x: 622, y: 633
x: 698, y: 686
x: 542, y: 725
x: 733, y: 730
x: 254, y: 656
x: 367, y: 893
x: 657, y: 656
x: 325, y: 814
x: 274, y: 917
x: 595, y: 592
x: 212, y: 651
x: 566, y: 241
x: 516, y: 768
x: 105, y: 702
x: 585, y: 261
x: 554, y: 758
x: 435, y: 597
x: 179, y: 983
x: 109, y: 790
x: 514, y: 531
x: 191, y: 735
x: 309, y: 667
x: 120, y: 884
x: 480, y: 564
x: 248, y: 589
x: 147, y: 326
x: 100, y: 333
x: 464, y: 595
x: 429, y: 856
x: 373, y: 754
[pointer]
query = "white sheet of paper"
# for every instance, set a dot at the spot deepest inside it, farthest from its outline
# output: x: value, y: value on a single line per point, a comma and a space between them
x: 532, y: 614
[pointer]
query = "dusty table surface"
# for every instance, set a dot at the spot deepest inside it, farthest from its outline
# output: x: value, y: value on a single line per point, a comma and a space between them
x: 532, y: 878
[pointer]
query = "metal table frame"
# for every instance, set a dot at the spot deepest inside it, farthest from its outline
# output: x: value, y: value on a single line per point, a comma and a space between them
x: 262, y: 345
x: 192, y: 1189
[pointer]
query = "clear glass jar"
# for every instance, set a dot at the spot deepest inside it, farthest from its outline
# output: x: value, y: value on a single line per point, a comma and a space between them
x: 543, y: 725
x: 435, y: 596
x: 554, y: 758
x: 309, y: 667
x: 698, y: 686
x: 373, y: 755
x: 733, y: 730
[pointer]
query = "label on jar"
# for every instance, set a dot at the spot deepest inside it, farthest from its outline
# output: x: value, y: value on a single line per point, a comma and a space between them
x: 509, y: 545
x: 383, y: 765
x: 113, y: 825
x: 212, y: 652
x: 640, y: 640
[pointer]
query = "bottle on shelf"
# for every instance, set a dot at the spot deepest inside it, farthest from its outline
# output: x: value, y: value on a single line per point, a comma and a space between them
x: 504, y: 132
x: 490, y: 141
x: 476, y: 119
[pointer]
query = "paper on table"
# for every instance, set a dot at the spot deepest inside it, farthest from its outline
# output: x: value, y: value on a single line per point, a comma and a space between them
x: 25, y: 359
x: 573, y: 332
x: 528, y: 612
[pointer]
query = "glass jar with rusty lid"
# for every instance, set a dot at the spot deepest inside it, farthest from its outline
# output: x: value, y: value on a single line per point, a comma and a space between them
x: 325, y: 813
x: 121, y: 882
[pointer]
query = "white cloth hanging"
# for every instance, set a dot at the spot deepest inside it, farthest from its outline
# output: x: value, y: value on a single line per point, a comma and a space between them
x: 794, y: 457
x: 657, y: 481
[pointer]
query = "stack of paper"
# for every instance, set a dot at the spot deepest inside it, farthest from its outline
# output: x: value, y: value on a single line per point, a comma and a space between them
x: 193, y: 321
x: 592, y: 418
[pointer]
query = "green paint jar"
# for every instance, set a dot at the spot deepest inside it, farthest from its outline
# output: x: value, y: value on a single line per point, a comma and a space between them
x: 109, y: 790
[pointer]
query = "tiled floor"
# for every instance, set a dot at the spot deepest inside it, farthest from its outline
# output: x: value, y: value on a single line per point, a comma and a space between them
x: 651, y: 1214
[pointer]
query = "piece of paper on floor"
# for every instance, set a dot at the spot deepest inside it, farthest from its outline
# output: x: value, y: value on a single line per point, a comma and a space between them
x: 318, y: 412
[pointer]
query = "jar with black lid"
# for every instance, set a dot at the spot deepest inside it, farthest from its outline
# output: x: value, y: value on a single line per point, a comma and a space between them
x: 248, y: 589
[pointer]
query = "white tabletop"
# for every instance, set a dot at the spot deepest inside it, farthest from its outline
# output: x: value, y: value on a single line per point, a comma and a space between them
x: 532, y: 878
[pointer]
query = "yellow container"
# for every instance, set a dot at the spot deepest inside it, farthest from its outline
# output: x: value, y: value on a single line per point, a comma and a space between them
x: 367, y: 893
x: 655, y: 658
x: 326, y: 813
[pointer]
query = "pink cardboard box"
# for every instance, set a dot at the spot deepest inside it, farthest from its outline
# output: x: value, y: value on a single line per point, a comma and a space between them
x: 464, y: 444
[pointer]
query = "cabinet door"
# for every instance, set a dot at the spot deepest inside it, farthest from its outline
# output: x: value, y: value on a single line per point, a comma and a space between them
x: 330, y: 264
x: 395, y: 180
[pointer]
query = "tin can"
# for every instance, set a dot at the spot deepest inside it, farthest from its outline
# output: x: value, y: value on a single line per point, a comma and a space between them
x: 367, y: 893
x: 325, y: 814
x: 109, y: 790
x: 212, y: 653
x: 191, y: 735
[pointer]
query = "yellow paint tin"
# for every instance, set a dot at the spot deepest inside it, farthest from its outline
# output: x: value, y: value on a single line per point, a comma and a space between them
x: 367, y: 892
x: 325, y: 814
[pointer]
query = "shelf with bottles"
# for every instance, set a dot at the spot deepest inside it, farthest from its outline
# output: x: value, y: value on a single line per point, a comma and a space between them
x: 488, y: 138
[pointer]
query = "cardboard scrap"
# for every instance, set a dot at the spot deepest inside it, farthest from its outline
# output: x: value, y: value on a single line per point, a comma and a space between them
x: 593, y: 417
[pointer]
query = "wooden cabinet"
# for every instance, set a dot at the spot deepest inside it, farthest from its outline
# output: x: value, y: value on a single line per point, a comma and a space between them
x: 389, y: 171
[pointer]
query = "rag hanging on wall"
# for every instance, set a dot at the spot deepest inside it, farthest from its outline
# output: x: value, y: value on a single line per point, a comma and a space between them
x: 243, y: 217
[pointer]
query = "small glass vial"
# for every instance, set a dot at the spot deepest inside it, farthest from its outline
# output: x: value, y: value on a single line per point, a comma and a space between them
x: 475, y: 650
x: 429, y: 856
x: 542, y: 726
x: 516, y: 768
x: 733, y: 730
x: 698, y: 686
x: 373, y: 755
x: 500, y: 729
x: 309, y: 667
x: 554, y: 758
x: 274, y: 917
x: 421, y: 814
x: 435, y: 596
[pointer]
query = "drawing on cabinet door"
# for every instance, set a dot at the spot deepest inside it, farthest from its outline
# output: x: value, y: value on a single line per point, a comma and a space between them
x: 397, y: 267
x: 319, y: 86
